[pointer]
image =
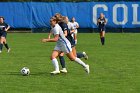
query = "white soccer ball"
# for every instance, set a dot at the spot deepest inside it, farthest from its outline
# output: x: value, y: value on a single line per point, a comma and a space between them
x: 25, y: 71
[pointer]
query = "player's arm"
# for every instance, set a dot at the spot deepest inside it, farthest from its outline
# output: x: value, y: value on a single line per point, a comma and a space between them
x: 7, y: 28
x: 98, y: 21
x: 55, y: 39
x: 105, y: 21
x: 77, y: 25
x: 65, y: 30
x: 65, y: 33
x: 72, y: 29
x: 49, y: 35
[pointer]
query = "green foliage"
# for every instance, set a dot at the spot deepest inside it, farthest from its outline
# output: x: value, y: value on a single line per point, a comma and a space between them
x: 115, y: 67
x: 63, y: 0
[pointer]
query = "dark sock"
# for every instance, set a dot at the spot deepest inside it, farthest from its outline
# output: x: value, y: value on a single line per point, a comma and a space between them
x: 62, y: 61
x: 80, y: 55
x: 1, y: 46
x: 102, y: 40
x: 6, y: 45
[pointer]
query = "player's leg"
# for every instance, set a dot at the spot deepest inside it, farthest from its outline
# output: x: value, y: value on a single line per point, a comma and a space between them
x: 102, y: 36
x: 62, y: 62
x: 1, y: 43
x: 79, y: 55
x: 6, y: 45
x: 77, y: 60
x: 54, y: 55
x: 82, y: 55
x: 75, y: 36
x: 74, y: 51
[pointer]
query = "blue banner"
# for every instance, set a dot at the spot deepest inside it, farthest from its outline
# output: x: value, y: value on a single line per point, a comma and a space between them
x: 38, y: 14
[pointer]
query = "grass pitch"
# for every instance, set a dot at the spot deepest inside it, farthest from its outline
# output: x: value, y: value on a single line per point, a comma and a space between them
x: 114, y: 68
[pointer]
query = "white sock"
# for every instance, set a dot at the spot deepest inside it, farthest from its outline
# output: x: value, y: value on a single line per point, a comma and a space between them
x: 79, y: 61
x: 76, y: 41
x: 55, y: 64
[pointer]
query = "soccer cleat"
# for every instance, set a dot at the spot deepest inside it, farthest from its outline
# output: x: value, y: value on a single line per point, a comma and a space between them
x: 85, y: 55
x: 64, y: 70
x: 8, y: 50
x: 55, y: 72
x: 87, y: 69
x: 0, y: 51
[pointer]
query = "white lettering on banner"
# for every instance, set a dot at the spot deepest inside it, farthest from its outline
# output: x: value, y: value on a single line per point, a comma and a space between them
x: 135, y: 14
x: 95, y: 11
x: 125, y: 14
x: 114, y: 12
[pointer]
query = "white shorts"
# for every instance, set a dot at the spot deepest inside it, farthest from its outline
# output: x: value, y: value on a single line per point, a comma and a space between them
x: 66, y: 48
x: 75, y: 31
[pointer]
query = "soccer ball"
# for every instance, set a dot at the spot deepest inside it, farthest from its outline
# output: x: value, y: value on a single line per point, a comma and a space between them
x: 25, y: 71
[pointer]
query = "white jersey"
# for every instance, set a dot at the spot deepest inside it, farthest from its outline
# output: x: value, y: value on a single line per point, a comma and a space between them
x: 70, y: 26
x: 63, y: 43
x: 75, y: 24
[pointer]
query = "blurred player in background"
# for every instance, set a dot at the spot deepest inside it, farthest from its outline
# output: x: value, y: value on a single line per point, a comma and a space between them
x: 4, y: 27
x: 101, y: 22
x: 75, y: 25
x: 71, y: 28
x: 62, y: 45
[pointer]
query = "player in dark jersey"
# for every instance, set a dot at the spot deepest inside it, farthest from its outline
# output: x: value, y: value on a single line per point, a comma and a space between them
x: 4, y: 27
x: 101, y: 22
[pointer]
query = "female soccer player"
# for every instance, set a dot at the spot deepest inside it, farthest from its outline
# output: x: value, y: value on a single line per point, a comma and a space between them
x: 101, y: 22
x: 63, y: 45
x: 67, y: 32
x: 4, y: 27
x: 75, y: 25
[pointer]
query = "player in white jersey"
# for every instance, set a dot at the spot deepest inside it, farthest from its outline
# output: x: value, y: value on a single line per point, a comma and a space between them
x: 62, y: 45
x: 75, y: 25
x: 71, y: 28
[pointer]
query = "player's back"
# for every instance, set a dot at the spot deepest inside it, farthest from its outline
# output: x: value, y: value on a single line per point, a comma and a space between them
x: 58, y: 30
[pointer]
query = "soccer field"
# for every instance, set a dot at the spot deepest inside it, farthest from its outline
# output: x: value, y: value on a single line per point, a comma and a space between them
x: 114, y: 68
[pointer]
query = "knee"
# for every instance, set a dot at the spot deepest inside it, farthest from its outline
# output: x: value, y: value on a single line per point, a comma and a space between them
x: 72, y: 59
x: 51, y: 58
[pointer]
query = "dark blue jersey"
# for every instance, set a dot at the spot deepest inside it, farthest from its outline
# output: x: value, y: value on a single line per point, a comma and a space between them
x: 101, y: 23
x: 3, y: 26
x: 64, y: 27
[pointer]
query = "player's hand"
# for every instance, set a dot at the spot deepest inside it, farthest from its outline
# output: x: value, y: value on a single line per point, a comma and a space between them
x: 5, y: 29
x: 44, y: 40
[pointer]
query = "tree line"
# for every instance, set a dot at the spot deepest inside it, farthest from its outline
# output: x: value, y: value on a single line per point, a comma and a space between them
x: 64, y: 0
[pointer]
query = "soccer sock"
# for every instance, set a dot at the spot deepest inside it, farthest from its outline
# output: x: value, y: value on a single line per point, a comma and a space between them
x: 79, y: 61
x: 76, y: 41
x: 62, y: 61
x: 1, y: 46
x: 80, y: 55
x: 55, y: 64
x: 6, y: 45
x: 102, y: 40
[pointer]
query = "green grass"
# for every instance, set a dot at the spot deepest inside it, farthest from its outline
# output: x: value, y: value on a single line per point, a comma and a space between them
x: 115, y: 67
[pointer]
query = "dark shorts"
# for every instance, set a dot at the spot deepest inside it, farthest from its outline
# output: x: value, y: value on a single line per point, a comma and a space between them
x: 101, y: 29
x: 72, y: 41
x: 73, y: 44
x: 3, y: 34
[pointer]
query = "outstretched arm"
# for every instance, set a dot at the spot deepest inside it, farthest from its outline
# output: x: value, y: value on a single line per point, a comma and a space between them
x: 55, y: 39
